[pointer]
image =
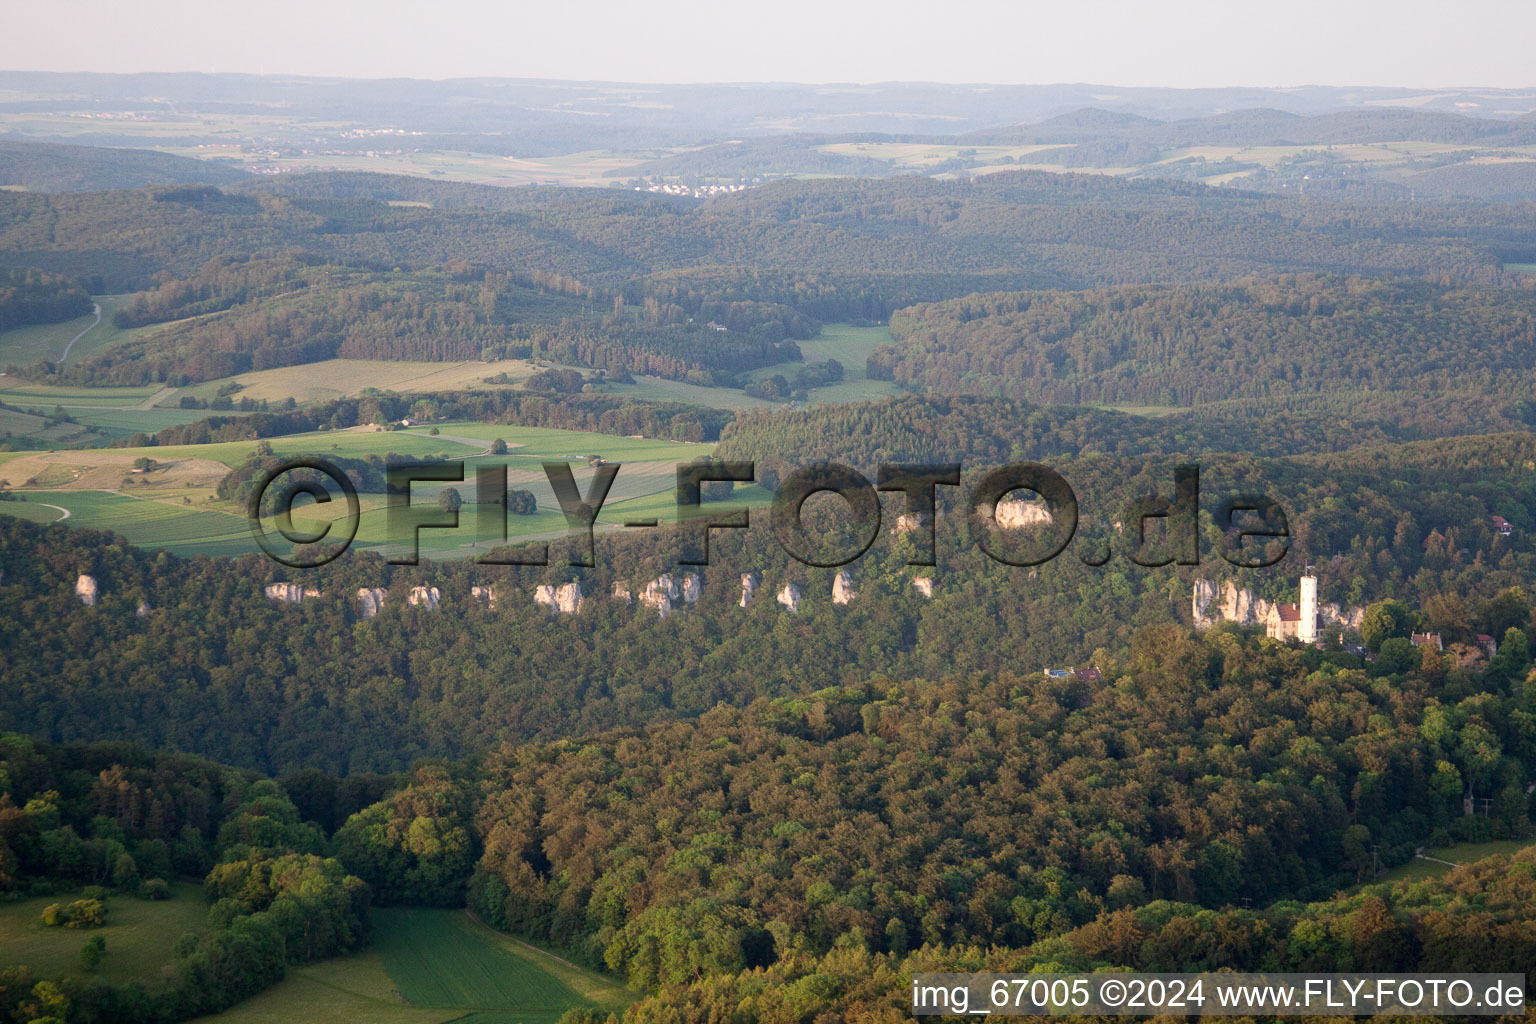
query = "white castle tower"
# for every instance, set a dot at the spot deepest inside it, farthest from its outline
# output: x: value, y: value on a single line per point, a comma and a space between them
x: 1306, y: 627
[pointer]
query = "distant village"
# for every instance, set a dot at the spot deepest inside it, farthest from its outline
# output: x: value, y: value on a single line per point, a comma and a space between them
x: 696, y: 191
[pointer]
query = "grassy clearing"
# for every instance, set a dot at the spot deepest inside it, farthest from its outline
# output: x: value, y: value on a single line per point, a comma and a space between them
x: 444, y: 958
x: 850, y: 346
x: 1462, y: 853
x: 355, y: 443
x: 349, y: 990
x: 139, y: 935
x: 1150, y: 411
x: 428, y: 967
x: 23, y: 346
x: 1521, y: 268
x: 659, y: 389
x: 116, y: 412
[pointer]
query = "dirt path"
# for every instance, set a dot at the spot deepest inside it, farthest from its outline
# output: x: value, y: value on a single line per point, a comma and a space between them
x: 95, y: 308
x: 1435, y: 860
x: 60, y: 508
x: 149, y: 403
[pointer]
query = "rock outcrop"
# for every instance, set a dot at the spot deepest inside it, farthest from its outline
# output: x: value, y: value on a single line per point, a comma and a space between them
x: 564, y: 599
x: 485, y: 595
x: 290, y: 593
x: 666, y: 592
x: 1016, y: 515
x: 1240, y: 605
x: 842, y: 588
x: 427, y: 598
x: 86, y: 589
x: 370, y: 600
x: 750, y: 581
x: 1203, y: 597
x: 1341, y: 618
x: 660, y: 595
x: 621, y: 592
x: 907, y: 522
x: 142, y: 610
x: 1231, y: 603
x: 923, y: 585
x: 789, y: 597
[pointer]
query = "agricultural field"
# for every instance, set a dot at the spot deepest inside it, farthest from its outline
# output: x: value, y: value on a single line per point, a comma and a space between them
x: 428, y: 966
x: 139, y: 934
x: 96, y: 415
x: 924, y: 155
x: 173, y: 506
x: 345, y: 378
x: 182, y: 530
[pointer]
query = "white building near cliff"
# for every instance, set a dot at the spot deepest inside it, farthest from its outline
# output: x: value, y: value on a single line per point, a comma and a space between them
x: 1296, y: 621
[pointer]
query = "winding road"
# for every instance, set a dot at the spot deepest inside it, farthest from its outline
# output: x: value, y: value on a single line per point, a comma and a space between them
x: 95, y: 308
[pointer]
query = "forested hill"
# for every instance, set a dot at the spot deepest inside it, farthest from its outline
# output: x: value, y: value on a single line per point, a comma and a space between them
x: 36, y: 297
x: 619, y: 280
x: 50, y: 167
x: 1007, y: 824
x: 216, y: 667
x: 1049, y: 230
x: 1265, y: 126
x: 1196, y: 343
x: 944, y: 428
x: 241, y: 314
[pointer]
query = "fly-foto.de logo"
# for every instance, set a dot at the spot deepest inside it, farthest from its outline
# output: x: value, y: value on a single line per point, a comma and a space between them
x: 1156, y: 530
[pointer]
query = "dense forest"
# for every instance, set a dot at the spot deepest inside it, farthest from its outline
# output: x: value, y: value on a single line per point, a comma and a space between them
x: 36, y: 297
x: 633, y: 282
x: 237, y: 315
x: 1041, y: 229
x: 777, y: 800
x: 1068, y: 822
x: 121, y: 821
x: 216, y: 668
x: 1189, y: 344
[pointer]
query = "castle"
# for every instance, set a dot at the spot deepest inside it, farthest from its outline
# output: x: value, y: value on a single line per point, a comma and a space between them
x: 1296, y: 621
x: 1303, y: 622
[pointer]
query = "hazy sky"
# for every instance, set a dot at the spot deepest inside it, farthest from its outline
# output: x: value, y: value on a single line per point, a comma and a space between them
x: 1119, y: 42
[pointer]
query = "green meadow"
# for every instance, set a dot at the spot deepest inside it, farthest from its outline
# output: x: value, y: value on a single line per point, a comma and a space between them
x: 426, y: 966
x: 139, y: 934
x: 23, y: 346
x: 1461, y: 853
x: 191, y: 521
x: 145, y: 522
